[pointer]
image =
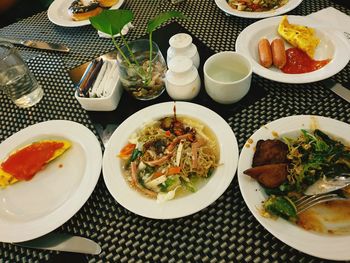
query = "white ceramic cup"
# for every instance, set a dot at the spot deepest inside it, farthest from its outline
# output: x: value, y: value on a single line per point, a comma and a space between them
x: 227, y: 76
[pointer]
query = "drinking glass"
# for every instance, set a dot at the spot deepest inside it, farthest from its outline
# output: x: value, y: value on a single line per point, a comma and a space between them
x: 16, y: 81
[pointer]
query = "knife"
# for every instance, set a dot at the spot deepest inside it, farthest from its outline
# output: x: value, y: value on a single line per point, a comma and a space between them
x: 338, y: 89
x: 37, y: 44
x: 63, y: 242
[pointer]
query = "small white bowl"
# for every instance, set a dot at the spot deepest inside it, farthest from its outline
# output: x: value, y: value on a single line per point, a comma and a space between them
x: 227, y: 76
x: 102, y: 104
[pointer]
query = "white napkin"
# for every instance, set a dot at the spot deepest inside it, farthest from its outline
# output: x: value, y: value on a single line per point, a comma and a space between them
x: 334, y: 19
x: 106, y: 80
x: 125, y: 30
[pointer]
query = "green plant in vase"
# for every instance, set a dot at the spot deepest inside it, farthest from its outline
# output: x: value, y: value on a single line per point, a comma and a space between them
x: 141, y: 64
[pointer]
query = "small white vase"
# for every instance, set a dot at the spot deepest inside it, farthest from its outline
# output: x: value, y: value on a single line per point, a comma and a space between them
x: 181, y: 45
x: 182, y: 81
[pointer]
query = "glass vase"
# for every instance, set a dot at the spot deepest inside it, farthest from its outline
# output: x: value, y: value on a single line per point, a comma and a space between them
x: 142, y: 80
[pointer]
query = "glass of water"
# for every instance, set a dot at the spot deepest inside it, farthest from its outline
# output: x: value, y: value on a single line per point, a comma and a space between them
x: 16, y: 81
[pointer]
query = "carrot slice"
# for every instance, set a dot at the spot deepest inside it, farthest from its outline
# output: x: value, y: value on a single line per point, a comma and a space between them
x: 174, y: 170
x: 127, y: 150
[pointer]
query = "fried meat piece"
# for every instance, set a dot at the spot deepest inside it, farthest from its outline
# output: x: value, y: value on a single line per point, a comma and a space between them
x: 270, y: 175
x: 270, y: 152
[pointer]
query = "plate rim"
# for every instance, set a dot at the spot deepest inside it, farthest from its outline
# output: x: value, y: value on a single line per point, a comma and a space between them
x: 292, y: 235
x: 222, y: 4
x: 18, y: 231
x: 71, y: 23
x: 337, y: 38
x: 163, y: 210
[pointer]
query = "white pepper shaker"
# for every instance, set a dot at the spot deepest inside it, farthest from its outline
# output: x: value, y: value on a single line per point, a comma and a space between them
x: 181, y: 45
x: 182, y: 81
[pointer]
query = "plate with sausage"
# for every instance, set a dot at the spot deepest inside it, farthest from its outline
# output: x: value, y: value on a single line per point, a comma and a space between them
x: 256, y: 9
x: 278, y: 54
x: 76, y: 13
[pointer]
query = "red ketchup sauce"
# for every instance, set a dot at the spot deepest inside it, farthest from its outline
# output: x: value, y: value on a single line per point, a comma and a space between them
x: 299, y: 62
x: 25, y: 163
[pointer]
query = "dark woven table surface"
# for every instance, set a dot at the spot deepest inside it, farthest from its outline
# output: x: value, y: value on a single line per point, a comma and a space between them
x: 225, y: 231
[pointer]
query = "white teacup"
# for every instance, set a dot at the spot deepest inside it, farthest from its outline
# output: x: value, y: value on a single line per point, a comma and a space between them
x: 227, y: 76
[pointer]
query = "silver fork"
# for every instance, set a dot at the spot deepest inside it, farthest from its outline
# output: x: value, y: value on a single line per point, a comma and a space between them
x: 307, y: 201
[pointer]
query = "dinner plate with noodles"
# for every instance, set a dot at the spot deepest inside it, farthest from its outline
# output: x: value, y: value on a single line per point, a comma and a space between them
x: 257, y: 8
x: 170, y: 160
x: 47, y: 172
x: 276, y: 166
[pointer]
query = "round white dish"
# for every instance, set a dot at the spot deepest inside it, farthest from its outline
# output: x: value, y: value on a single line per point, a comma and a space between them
x: 332, y: 45
x: 180, y: 206
x: 33, y: 208
x: 224, y: 6
x: 58, y: 13
x: 323, y: 246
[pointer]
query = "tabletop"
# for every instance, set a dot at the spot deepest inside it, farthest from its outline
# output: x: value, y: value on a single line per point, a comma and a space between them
x: 225, y: 231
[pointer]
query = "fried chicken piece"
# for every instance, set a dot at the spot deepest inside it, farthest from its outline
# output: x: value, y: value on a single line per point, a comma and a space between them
x: 270, y: 152
x: 270, y: 175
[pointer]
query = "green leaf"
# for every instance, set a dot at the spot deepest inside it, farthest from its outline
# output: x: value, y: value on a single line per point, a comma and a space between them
x: 111, y: 22
x: 162, y: 18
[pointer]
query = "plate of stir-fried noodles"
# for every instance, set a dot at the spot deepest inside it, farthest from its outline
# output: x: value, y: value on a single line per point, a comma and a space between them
x: 170, y: 160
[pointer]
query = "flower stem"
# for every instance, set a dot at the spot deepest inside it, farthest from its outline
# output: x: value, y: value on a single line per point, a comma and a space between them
x: 150, y: 55
x: 138, y: 68
x: 127, y: 46
x: 120, y: 51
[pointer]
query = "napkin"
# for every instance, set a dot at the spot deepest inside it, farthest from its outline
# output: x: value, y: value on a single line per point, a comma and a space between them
x: 125, y: 30
x: 333, y: 18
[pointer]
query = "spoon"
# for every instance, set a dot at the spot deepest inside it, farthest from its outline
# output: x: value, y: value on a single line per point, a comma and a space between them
x: 326, y: 185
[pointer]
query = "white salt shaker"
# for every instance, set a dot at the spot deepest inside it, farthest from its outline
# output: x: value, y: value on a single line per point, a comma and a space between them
x: 182, y: 81
x: 181, y: 45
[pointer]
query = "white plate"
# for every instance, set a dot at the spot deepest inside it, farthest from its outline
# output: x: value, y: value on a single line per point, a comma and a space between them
x: 323, y: 246
x: 181, y: 206
x: 58, y: 13
x: 34, y: 208
x: 332, y: 45
x: 224, y: 6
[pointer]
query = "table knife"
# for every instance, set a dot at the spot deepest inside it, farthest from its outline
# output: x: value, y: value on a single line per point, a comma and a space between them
x: 37, y: 44
x: 63, y: 242
x: 338, y: 89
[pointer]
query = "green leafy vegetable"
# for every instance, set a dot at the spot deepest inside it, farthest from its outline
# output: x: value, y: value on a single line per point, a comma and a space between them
x: 281, y: 206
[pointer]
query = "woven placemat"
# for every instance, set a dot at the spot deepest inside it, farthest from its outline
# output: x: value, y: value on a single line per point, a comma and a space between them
x: 225, y: 231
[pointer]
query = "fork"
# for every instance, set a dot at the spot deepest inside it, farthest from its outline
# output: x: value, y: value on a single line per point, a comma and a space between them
x: 307, y: 201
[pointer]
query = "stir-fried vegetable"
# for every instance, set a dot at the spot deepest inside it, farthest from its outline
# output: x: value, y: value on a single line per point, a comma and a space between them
x: 256, y: 5
x: 314, y: 156
x: 281, y: 206
x: 311, y: 156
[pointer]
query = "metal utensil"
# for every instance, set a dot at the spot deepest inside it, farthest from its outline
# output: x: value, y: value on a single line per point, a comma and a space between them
x: 338, y: 89
x: 37, y: 44
x: 63, y: 242
x: 326, y: 185
x: 307, y: 201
